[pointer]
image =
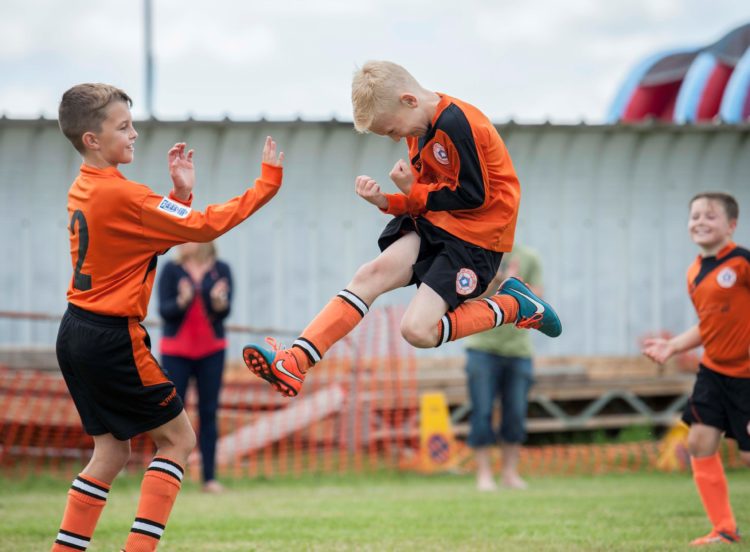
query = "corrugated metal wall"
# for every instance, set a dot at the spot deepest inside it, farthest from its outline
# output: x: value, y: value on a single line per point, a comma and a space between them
x: 606, y: 206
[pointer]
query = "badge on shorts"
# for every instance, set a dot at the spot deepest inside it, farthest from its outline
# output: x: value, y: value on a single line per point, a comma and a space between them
x: 173, y: 208
x: 438, y: 150
x: 726, y: 277
x: 466, y: 281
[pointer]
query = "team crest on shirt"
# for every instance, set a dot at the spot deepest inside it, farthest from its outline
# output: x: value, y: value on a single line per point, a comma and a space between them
x: 726, y: 277
x: 466, y: 281
x: 173, y: 208
x: 440, y: 153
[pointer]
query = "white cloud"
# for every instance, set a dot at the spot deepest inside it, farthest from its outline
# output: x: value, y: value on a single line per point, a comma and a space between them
x: 530, y: 61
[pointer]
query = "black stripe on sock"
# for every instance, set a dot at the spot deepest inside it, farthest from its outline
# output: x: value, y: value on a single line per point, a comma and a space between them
x: 150, y: 522
x: 313, y: 347
x: 69, y: 545
x: 162, y: 470
x: 353, y: 305
x: 82, y: 480
x: 167, y: 461
x: 74, y: 535
x: 147, y: 533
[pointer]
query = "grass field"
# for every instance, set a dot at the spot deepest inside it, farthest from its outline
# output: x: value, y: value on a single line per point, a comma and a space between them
x: 645, y: 511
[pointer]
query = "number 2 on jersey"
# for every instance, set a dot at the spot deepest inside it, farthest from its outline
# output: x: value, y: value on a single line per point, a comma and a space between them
x: 80, y: 281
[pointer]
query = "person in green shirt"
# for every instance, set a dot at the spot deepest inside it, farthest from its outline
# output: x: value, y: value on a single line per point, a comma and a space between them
x: 499, y: 366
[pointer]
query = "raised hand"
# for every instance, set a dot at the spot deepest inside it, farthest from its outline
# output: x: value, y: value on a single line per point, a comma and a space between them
x: 220, y: 295
x: 185, y: 292
x: 369, y: 190
x: 181, y: 170
x: 402, y: 176
x: 269, y: 153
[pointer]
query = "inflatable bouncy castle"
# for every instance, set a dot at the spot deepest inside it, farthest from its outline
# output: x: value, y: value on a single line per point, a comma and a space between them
x: 690, y: 85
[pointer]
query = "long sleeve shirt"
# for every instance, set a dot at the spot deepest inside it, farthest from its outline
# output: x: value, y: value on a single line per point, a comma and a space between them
x: 118, y: 228
x: 465, y: 182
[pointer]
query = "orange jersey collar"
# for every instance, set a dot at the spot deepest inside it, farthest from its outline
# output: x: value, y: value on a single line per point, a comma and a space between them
x: 107, y: 171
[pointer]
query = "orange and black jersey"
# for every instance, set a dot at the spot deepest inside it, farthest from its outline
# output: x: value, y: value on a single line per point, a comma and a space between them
x: 465, y: 182
x: 118, y: 228
x: 720, y: 290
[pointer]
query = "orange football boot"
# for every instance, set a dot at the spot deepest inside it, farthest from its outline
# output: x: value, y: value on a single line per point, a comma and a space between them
x: 277, y: 366
x: 717, y: 537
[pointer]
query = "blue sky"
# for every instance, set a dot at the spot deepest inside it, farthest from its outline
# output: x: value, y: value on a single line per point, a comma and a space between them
x: 530, y: 61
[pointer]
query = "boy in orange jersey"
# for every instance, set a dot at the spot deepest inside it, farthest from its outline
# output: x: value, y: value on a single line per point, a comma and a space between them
x: 719, y: 286
x: 118, y: 228
x: 454, y: 218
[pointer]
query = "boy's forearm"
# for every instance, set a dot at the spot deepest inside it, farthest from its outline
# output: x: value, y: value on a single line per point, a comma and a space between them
x: 170, y: 225
x: 689, y: 339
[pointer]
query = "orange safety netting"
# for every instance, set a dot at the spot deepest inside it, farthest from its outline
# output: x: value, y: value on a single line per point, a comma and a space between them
x: 358, y: 411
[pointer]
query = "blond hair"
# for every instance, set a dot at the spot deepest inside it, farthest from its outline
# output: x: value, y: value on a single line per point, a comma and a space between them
x: 376, y: 88
x: 83, y: 108
x: 731, y: 208
x: 203, y: 252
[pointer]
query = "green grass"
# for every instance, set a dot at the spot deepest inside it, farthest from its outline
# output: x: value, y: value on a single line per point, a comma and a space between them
x: 386, y: 511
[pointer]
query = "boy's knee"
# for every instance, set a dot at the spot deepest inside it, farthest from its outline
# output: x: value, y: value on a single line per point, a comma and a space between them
x: 419, y: 336
x: 181, y: 439
x: 122, y: 456
x: 368, y: 271
x: 698, y: 447
x: 110, y: 458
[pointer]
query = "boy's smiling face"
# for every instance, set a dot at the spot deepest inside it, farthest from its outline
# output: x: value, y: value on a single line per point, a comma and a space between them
x: 115, y: 142
x: 709, y: 226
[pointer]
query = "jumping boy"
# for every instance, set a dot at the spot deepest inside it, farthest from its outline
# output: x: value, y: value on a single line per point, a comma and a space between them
x: 719, y: 286
x: 118, y: 228
x: 454, y: 218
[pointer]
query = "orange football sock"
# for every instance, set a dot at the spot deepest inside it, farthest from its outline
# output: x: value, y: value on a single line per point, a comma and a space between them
x: 339, y: 317
x: 709, y: 477
x: 86, y: 499
x: 477, y: 316
x: 159, y: 489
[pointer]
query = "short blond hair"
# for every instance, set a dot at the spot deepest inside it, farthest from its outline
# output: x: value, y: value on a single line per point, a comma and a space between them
x: 376, y: 88
x: 83, y: 108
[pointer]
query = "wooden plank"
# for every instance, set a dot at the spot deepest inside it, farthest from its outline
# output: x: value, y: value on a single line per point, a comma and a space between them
x: 274, y: 426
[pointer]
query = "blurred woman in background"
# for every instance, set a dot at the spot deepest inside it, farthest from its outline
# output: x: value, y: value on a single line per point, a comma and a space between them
x: 195, y: 295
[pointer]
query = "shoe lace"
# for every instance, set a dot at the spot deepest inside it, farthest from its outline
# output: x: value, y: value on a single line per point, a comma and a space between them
x: 275, y: 345
x: 530, y: 323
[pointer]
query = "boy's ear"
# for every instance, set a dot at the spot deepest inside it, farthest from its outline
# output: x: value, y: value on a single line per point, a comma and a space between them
x: 409, y: 100
x: 733, y: 225
x: 90, y: 141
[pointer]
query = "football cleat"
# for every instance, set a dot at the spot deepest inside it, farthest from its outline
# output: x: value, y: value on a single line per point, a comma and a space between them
x: 717, y: 537
x: 533, y: 312
x: 277, y: 366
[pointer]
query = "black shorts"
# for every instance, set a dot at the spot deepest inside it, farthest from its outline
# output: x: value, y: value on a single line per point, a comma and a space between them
x: 116, y: 383
x: 456, y: 270
x: 722, y: 402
